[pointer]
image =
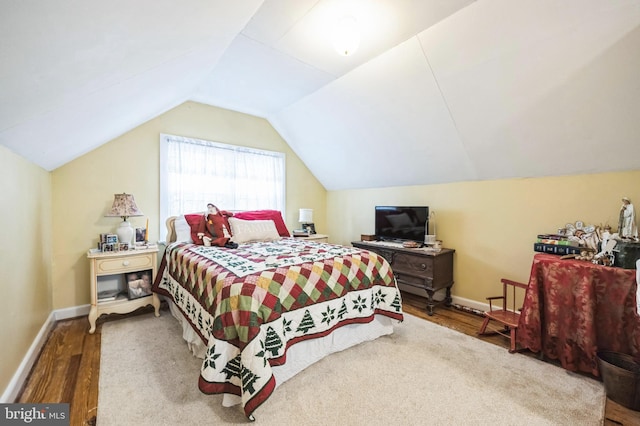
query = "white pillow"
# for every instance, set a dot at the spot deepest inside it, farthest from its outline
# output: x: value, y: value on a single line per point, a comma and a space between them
x: 244, y: 231
x: 183, y: 230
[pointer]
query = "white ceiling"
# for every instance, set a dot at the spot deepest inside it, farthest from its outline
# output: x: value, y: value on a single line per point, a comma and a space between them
x: 438, y: 90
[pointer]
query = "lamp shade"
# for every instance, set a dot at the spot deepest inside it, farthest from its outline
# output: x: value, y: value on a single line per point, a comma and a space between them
x: 124, y: 206
x: 306, y: 216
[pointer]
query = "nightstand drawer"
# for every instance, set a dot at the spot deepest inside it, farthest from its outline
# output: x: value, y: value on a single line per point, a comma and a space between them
x: 124, y: 264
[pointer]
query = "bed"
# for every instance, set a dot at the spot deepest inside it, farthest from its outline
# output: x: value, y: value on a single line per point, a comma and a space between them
x: 262, y: 312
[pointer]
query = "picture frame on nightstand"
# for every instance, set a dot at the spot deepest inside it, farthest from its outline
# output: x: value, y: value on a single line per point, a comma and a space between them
x: 141, y: 234
x: 139, y: 283
x: 310, y: 228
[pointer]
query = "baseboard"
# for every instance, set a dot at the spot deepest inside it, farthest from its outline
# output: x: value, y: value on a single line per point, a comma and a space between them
x: 73, y: 312
x: 20, y: 376
x: 473, y: 305
x: 465, y: 304
x: 22, y: 373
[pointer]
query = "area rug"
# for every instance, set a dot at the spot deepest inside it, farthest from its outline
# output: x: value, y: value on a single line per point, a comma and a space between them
x: 422, y: 374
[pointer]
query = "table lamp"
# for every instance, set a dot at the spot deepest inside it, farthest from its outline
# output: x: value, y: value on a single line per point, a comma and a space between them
x: 124, y: 206
x: 305, y: 218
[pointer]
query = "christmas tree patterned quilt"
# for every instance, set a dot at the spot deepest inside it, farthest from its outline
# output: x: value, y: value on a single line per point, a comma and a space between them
x: 250, y: 304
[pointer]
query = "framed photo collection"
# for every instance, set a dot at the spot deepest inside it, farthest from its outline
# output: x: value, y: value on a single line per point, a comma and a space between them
x: 109, y: 243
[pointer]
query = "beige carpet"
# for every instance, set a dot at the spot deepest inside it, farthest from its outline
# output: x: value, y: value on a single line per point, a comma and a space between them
x: 422, y: 374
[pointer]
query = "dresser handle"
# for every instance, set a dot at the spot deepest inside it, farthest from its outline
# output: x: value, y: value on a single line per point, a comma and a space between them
x: 125, y: 263
x: 423, y: 265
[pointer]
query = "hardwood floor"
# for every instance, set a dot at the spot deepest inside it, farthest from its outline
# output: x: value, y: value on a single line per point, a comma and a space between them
x: 68, y: 367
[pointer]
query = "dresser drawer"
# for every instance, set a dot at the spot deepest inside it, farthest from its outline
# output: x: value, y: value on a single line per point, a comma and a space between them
x: 416, y: 265
x: 413, y: 280
x: 387, y: 254
x: 124, y: 264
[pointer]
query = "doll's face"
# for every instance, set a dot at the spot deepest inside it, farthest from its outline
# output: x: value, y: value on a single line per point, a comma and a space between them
x: 211, y: 209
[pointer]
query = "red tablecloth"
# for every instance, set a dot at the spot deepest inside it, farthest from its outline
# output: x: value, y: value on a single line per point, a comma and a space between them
x: 574, y: 308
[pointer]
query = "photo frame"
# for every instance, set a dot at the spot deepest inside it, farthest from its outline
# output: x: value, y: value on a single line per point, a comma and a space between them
x: 139, y: 283
x: 141, y: 234
x: 310, y: 228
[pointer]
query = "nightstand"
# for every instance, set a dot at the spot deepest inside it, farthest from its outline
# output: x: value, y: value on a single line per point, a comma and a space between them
x: 318, y: 238
x: 108, y: 279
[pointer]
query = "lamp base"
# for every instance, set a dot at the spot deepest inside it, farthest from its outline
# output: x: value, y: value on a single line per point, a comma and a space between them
x: 125, y: 233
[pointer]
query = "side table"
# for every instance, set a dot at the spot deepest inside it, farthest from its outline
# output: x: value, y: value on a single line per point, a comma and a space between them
x: 108, y: 265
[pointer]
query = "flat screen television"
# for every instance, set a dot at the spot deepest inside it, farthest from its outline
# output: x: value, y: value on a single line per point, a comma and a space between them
x: 401, y: 223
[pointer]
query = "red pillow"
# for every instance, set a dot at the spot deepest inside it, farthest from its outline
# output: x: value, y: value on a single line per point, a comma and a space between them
x: 194, y: 222
x: 273, y: 215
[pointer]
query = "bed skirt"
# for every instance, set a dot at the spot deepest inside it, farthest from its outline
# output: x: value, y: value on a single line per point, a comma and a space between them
x: 302, y: 354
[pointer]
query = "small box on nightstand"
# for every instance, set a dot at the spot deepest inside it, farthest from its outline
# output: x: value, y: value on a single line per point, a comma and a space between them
x: 367, y: 237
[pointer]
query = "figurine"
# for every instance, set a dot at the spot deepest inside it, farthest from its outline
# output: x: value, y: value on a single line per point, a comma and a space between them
x: 627, y: 225
x: 214, y: 229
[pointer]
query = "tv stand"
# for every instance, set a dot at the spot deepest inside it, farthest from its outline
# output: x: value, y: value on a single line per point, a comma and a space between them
x: 419, y: 268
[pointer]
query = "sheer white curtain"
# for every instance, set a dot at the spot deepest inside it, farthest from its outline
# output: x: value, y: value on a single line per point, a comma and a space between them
x: 195, y: 172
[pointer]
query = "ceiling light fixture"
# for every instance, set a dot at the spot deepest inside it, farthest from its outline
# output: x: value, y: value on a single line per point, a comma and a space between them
x: 346, y: 38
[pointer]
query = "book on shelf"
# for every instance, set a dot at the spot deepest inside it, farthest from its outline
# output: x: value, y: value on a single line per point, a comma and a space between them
x: 555, y: 249
x: 558, y: 242
x: 106, y: 295
x: 552, y: 237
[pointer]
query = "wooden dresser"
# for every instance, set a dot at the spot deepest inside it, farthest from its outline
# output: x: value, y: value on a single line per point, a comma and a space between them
x: 418, y: 268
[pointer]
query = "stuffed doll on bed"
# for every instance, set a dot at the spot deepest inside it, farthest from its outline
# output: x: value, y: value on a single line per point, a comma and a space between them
x: 213, y: 229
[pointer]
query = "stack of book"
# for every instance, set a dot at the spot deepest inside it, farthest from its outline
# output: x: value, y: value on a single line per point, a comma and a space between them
x: 106, y: 295
x: 556, y: 244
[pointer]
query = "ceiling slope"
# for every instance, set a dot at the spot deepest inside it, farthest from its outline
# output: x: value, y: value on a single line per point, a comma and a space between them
x: 82, y: 73
x: 383, y: 124
x: 438, y: 91
x: 285, y: 52
x: 500, y: 89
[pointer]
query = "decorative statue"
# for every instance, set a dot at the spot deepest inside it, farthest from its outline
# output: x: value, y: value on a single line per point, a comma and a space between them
x: 627, y: 224
x: 214, y: 229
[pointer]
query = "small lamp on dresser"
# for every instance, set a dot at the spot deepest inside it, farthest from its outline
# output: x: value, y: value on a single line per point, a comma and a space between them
x: 124, y: 206
x: 306, y: 218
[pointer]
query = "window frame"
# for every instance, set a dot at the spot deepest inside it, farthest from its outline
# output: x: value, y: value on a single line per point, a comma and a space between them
x: 164, y: 164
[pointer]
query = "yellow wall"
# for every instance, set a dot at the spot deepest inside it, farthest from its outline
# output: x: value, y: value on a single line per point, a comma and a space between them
x: 492, y: 225
x: 25, y: 257
x: 83, y: 189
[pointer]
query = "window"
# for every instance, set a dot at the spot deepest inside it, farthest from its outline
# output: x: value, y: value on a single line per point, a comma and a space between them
x: 195, y: 172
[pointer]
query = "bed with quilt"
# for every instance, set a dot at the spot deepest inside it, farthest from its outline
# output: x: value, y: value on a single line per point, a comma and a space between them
x: 266, y: 306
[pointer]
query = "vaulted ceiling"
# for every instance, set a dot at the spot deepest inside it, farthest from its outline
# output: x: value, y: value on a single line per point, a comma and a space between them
x: 437, y: 91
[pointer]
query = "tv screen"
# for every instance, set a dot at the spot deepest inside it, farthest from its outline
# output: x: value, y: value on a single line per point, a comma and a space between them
x: 397, y: 223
